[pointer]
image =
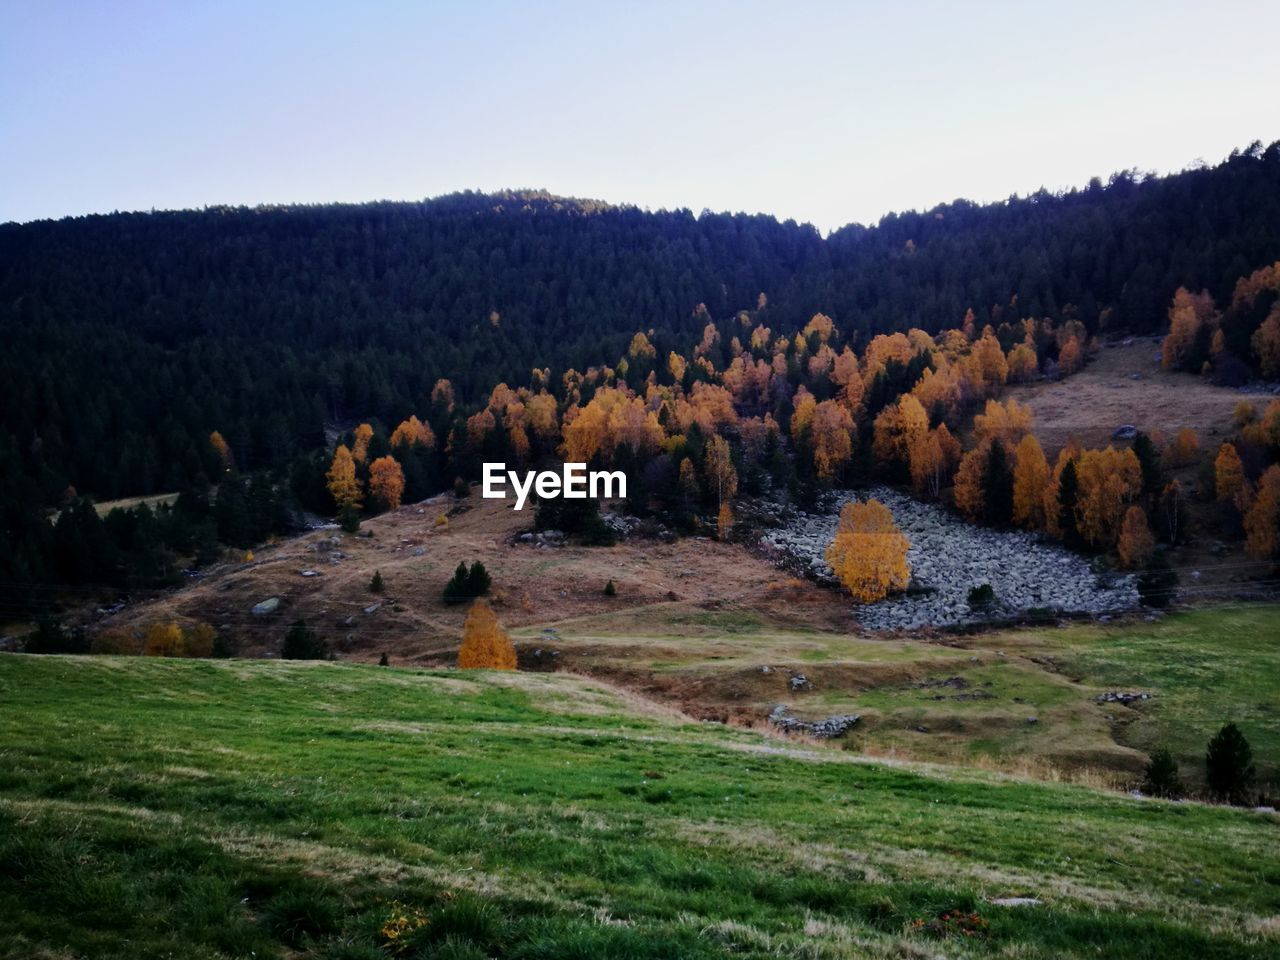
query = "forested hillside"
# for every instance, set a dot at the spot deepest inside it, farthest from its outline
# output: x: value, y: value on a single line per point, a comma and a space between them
x: 129, y: 337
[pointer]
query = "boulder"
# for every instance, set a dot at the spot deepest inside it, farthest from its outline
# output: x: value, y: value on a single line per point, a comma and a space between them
x: 270, y: 605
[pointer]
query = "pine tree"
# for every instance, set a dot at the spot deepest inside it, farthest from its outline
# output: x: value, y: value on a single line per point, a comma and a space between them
x: 376, y: 585
x: 1228, y: 765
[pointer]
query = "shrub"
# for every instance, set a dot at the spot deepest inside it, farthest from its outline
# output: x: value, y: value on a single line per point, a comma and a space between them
x: 116, y: 642
x: 982, y: 597
x: 199, y: 641
x: 376, y: 585
x: 302, y: 643
x: 349, y: 518
x: 461, y: 488
x: 163, y: 640
x: 1228, y: 765
x: 383, y: 661
x: 1161, y: 779
x: 442, y: 522
x: 579, y: 519
x: 51, y: 637
x: 610, y: 590
x: 1158, y: 583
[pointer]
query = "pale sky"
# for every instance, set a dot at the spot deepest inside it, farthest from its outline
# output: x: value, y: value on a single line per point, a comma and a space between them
x: 821, y: 112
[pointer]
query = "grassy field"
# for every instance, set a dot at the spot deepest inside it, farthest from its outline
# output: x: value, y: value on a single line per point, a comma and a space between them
x: 156, y: 808
x: 1024, y: 698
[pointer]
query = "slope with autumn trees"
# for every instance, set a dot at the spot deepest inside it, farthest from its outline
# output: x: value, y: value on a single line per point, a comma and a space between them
x: 403, y: 317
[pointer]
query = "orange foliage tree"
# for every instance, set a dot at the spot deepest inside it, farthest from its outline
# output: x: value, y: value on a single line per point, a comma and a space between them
x: 360, y: 449
x: 1184, y: 450
x: 1228, y: 473
x: 1136, y: 544
x: 832, y: 435
x: 386, y: 482
x: 1030, y: 479
x: 485, y: 645
x: 1069, y: 359
x: 413, y: 431
x: 869, y: 552
x: 1262, y: 522
x: 1108, y: 481
x: 343, y: 486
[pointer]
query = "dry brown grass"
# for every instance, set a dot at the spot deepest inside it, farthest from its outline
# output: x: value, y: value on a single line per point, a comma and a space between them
x: 1091, y: 404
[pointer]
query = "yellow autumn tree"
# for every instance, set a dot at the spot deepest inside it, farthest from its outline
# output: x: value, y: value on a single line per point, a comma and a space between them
x: 1228, y: 473
x: 360, y: 449
x: 343, y: 485
x: 1006, y: 421
x: 869, y: 553
x: 386, y: 482
x: 1030, y: 478
x: 1109, y: 480
x: 413, y: 431
x: 485, y: 645
x: 1023, y: 363
x: 718, y: 467
x: 1262, y: 522
x: 933, y: 461
x: 1069, y: 358
x: 1136, y: 544
x: 163, y: 640
x: 724, y: 521
x: 832, y: 437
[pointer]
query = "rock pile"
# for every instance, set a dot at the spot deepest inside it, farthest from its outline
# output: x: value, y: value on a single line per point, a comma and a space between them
x: 827, y: 729
x: 949, y: 557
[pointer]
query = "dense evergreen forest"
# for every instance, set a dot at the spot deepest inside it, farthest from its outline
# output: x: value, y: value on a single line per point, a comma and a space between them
x: 130, y: 337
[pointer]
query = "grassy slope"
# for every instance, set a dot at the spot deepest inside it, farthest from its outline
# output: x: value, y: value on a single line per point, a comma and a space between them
x: 155, y: 808
x: 1204, y: 668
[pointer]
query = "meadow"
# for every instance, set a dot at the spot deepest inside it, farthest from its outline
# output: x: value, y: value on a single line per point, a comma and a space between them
x: 153, y: 808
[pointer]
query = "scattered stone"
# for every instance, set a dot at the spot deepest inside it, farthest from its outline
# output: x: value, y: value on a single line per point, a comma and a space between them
x: 800, y: 682
x: 1126, y: 431
x: 270, y: 605
x: 309, y: 573
x: 766, y: 669
x: 1033, y: 719
x: 419, y: 551
x: 827, y: 729
x: 373, y: 607
x: 1015, y: 902
x: 1122, y: 698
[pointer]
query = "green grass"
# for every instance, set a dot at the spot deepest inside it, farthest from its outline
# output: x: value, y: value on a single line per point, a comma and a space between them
x: 233, y: 809
x: 1207, y: 668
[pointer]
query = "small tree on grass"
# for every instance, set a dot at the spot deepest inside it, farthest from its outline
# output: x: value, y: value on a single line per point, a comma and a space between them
x: 1228, y: 765
x: 1158, y: 583
x: 376, y: 585
x: 467, y: 584
x: 485, y: 645
x: 302, y: 643
x: 383, y: 661
x: 1161, y: 778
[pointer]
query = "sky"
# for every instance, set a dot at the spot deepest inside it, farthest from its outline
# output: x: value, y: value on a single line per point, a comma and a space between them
x: 822, y: 112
